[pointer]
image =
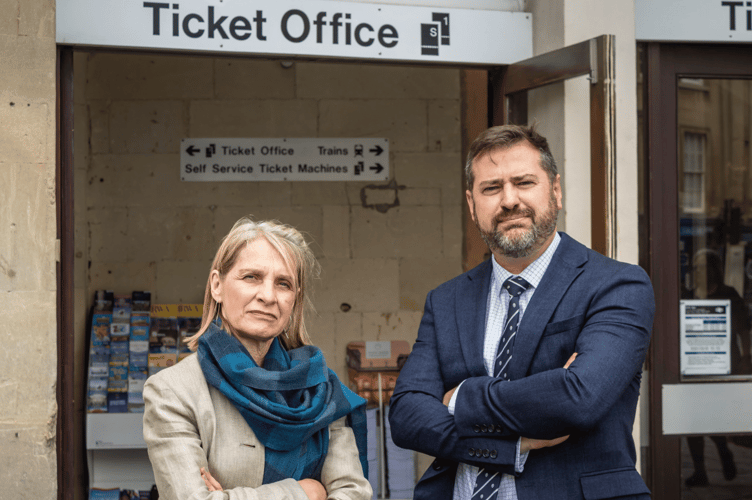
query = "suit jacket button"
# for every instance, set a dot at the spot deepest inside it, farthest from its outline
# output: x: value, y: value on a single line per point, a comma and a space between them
x: 493, y: 454
x: 485, y: 453
x: 472, y: 451
x: 478, y: 453
x: 476, y: 428
x: 437, y: 466
x: 484, y: 428
x: 498, y: 428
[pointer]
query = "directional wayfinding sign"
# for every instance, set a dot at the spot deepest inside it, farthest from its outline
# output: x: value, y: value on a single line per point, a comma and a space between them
x: 286, y: 159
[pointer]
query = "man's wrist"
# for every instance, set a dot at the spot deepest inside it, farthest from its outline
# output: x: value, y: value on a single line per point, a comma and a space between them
x: 521, y: 458
x: 453, y: 399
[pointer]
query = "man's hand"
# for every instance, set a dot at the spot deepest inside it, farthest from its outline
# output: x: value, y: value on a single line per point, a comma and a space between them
x: 313, y: 489
x: 570, y: 360
x: 527, y: 444
x: 448, y: 396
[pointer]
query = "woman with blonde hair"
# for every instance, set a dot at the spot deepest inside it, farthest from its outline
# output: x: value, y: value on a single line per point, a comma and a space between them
x: 256, y: 413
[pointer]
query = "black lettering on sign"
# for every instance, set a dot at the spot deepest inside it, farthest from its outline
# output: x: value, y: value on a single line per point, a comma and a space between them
x: 240, y: 27
x: 332, y: 151
x: 388, y: 36
x: 155, y: 14
x: 195, y: 169
x: 216, y: 25
x: 358, y: 35
x: 429, y: 39
x: 296, y: 26
x: 276, y: 150
x: 275, y: 169
x: 320, y: 22
x: 335, y: 24
x: 231, y: 169
x: 304, y: 168
x: 186, y: 26
x: 260, y: 20
x: 306, y: 25
x: 732, y: 13
x: 443, y: 20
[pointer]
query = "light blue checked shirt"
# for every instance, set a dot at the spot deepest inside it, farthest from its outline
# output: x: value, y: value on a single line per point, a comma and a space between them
x: 496, y: 311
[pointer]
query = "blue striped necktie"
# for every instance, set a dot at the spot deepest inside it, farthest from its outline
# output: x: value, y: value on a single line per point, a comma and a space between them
x: 487, y: 483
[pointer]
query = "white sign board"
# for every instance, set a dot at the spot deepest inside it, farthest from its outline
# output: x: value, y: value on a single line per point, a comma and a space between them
x: 693, y: 20
x: 718, y: 408
x: 292, y: 28
x: 705, y: 328
x: 378, y: 349
x: 286, y: 159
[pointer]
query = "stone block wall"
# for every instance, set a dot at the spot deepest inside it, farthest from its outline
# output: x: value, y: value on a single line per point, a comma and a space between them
x: 138, y: 227
x: 28, y: 328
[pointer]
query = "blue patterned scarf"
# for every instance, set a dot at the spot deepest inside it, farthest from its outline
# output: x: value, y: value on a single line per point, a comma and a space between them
x: 289, y: 402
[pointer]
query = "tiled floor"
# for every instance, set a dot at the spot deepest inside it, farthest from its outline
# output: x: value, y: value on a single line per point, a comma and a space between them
x: 719, y: 489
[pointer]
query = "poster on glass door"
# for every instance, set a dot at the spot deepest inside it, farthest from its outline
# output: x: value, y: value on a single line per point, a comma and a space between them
x: 705, y: 328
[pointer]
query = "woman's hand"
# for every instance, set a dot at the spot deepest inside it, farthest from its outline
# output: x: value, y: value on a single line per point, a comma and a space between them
x: 210, y: 482
x: 313, y: 489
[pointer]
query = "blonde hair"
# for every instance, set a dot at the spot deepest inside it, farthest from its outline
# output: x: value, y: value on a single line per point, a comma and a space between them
x: 291, y: 244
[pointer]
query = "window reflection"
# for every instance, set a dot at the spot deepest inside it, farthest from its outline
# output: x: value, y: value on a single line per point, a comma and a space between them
x: 715, y: 201
x: 715, y: 248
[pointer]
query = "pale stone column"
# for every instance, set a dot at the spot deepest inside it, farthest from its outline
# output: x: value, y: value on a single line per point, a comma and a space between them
x: 28, y: 359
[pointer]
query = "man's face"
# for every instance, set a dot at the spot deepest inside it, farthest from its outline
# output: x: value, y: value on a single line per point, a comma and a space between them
x: 513, y: 203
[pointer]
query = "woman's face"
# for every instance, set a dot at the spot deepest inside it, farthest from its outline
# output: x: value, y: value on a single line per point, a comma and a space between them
x: 256, y: 295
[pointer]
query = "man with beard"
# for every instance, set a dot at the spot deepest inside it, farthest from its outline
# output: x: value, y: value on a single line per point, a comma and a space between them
x: 524, y: 379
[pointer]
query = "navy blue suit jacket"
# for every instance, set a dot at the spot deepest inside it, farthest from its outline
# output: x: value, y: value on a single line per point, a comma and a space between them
x: 586, y: 303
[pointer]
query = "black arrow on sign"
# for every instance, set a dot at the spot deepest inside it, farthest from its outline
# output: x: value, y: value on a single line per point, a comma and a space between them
x: 191, y: 149
x: 377, y: 150
x: 378, y: 168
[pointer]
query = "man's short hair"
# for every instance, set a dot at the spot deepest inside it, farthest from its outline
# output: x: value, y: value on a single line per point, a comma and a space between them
x: 506, y: 136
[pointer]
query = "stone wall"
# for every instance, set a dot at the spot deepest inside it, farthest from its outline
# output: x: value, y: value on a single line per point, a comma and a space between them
x: 138, y: 227
x: 28, y: 361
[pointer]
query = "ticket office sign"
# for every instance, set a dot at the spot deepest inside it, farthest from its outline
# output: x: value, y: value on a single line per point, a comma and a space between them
x: 705, y: 337
x: 284, y: 159
x: 294, y: 28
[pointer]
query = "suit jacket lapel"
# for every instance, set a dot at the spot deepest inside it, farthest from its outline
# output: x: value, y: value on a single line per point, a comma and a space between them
x: 471, y: 303
x: 566, y: 265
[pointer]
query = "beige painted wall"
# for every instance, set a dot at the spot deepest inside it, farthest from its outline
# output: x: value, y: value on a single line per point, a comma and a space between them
x: 28, y: 360
x: 139, y: 227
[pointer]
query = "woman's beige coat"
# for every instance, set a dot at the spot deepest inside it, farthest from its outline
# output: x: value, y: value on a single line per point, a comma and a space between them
x: 189, y: 424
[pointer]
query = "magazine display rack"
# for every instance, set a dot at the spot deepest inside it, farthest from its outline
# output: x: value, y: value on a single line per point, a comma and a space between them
x: 131, y: 339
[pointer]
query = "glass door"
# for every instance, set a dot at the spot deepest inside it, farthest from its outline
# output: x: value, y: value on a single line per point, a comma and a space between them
x: 699, y: 121
x: 715, y: 259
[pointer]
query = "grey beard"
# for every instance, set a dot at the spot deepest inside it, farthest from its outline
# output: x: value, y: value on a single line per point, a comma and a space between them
x: 529, y: 241
x: 521, y: 247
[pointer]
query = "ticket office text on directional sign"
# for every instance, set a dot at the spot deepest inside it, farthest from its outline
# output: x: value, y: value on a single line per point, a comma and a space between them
x: 284, y: 159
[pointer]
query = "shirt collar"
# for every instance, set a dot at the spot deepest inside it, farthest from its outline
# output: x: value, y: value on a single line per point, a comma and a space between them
x: 533, y: 273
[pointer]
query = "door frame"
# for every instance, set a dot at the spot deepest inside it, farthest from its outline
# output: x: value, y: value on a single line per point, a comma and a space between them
x: 663, y: 65
x: 507, y: 96
x: 65, y: 425
x: 506, y: 85
x: 597, y: 59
